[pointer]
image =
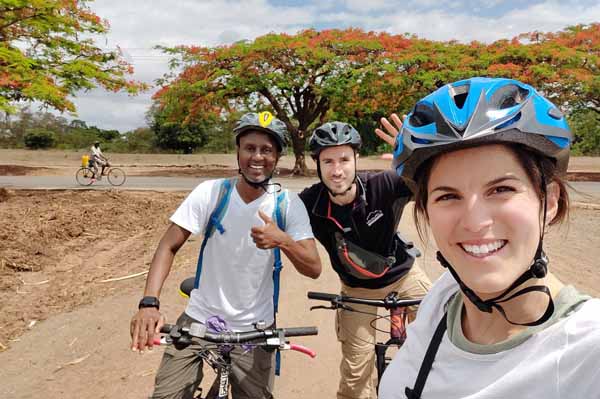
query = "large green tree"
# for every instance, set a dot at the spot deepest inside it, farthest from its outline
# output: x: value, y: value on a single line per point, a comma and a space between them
x: 295, y: 76
x: 47, y: 52
x: 565, y: 65
x: 359, y: 76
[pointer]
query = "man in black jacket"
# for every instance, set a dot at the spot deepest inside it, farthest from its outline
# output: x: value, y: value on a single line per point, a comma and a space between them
x: 355, y: 217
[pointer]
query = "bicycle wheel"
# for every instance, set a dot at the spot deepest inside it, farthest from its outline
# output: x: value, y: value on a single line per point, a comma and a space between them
x: 85, y: 176
x: 116, y: 176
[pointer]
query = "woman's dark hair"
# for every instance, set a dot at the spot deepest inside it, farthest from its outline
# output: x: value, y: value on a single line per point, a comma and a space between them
x: 539, y: 168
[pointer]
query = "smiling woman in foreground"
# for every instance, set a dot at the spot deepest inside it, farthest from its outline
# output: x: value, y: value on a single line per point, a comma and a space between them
x: 486, y: 158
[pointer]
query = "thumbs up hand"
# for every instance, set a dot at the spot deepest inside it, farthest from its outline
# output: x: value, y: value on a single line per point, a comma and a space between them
x: 268, y: 236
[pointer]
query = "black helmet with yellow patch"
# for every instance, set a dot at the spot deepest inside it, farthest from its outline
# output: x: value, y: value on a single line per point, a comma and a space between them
x: 262, y: 122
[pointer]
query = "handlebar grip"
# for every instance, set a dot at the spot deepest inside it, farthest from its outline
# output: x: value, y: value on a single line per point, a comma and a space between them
x: 300, y: 331
x: 303, y: 349
x: 321, y: 296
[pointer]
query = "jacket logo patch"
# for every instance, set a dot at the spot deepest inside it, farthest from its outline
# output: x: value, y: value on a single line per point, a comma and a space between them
x: 373, y: 217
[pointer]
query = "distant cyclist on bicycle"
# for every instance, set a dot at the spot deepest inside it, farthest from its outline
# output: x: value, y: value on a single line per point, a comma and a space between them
x: 97, y: 159
x: 355, y: 215
x: 488, y: 157
x: 237, y: 263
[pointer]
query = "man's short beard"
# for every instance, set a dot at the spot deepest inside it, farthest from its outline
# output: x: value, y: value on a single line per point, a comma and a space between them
x: 341, y: 191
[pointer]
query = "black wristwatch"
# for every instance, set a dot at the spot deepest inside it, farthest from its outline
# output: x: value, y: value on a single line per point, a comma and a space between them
x: 149, y: 302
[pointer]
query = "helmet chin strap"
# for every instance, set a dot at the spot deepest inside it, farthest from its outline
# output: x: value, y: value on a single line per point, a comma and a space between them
x: 537, y: 270
x: 264, y: 184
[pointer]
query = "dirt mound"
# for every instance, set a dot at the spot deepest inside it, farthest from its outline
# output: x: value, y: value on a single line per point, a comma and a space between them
x: 3, y: 194
x: 57, y: 247
x: 583, y: 176
x: 18, y: 170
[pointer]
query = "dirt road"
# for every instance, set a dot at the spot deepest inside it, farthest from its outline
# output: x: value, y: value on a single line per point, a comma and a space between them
x: 64, y: 328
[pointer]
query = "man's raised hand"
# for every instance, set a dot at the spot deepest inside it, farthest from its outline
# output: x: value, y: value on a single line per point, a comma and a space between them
x: 392, y: 130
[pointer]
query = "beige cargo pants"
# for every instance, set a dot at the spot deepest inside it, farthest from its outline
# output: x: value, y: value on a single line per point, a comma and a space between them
x: 357, y: 337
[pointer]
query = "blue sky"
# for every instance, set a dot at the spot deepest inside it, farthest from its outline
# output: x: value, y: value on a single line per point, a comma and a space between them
x: 138, y: 25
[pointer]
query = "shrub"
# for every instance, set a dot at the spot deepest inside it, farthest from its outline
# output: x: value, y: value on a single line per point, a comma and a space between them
x: 39, y: 138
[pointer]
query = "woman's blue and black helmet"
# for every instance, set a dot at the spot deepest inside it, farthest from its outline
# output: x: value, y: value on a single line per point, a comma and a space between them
x: 480, y: 111
x: 263, y: 122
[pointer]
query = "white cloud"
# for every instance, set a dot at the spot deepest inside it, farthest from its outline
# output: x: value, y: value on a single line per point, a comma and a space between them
x: 367, y: 6
x: 443, y: 25
x: 115, y: 111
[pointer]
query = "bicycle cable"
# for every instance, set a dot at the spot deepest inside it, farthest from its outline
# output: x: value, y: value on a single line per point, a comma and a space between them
x: 376, y: 317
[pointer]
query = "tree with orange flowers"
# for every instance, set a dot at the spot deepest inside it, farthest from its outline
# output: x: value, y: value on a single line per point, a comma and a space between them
x: 47, y: 53
x: 565, y: 64
x: 358, y: 76
x: 296, y: 76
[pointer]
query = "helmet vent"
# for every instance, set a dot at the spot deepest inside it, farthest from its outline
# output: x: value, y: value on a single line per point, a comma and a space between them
x: 460, y: 99
x: 459, y: 94
x: 422, y: 115
x: 419, y: 140
x: 508, y: 97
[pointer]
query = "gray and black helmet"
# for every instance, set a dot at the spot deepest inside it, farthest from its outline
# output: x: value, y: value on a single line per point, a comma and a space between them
x: 263, y: 122
x: 332, y: 134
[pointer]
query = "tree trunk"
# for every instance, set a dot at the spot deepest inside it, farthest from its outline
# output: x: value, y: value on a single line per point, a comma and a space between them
x: 298, y: 144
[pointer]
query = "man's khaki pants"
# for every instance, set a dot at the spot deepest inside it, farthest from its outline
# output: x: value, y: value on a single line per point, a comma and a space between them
x: 357, y: 368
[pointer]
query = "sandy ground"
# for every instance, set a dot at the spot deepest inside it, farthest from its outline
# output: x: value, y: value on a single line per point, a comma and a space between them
x: 64, y: 328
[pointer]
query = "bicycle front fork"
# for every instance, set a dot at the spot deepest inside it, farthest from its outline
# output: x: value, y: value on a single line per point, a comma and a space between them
x: 398, y: 320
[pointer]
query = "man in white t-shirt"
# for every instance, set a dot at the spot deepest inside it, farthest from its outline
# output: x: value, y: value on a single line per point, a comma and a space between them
x: 97, y: 158
x: 236, y: 283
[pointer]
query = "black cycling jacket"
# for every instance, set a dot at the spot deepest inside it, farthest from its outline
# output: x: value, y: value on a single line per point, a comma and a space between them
x: 375, y: 215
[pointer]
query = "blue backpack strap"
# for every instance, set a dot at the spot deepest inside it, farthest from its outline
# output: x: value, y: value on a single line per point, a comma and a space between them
x: 279, y: 214
x: 214, y: 221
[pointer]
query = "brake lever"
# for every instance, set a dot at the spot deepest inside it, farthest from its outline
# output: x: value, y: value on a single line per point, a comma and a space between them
x: 337, y: 305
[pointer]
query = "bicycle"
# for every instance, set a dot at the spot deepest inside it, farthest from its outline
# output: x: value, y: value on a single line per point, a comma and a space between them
x: 398, y: 319
x: 216, y: 346
x: 85, y: 176
x: 218, y: 355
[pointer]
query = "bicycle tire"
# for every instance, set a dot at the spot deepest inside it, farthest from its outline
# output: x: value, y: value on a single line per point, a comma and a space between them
x: 84, y: 176
x: 116, y: 176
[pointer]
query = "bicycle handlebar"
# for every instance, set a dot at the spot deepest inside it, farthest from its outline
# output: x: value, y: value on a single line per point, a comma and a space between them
x: 198, y: 330
x: 390, y: 301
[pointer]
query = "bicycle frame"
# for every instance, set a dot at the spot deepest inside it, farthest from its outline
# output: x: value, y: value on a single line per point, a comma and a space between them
x: 223, y: 372
x: 398, y: 319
